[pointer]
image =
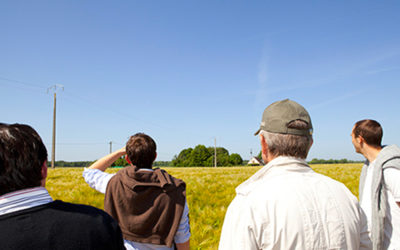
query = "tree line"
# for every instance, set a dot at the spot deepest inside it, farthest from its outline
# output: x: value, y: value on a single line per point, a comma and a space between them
x: 324, y: 161
x: 70, y: 163
x: 331, y: 161
x: 121, y: 162
x: 202, y: 156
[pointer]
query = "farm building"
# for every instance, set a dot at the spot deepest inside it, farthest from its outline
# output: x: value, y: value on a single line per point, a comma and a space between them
x: 255, y: 162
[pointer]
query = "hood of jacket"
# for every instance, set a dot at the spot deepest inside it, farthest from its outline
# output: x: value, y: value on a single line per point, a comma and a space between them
x: 136, y: 180
x: 389, y: 157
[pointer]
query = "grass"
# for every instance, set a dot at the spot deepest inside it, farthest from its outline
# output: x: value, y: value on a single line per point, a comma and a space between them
x: 209, y: 192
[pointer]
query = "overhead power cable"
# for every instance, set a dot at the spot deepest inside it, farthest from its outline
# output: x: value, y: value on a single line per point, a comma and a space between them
x: 23, y: 83
x: 96, y: 105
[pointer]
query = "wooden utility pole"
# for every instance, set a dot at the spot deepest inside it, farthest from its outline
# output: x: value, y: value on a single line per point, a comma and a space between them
x: 215, y: 152
x: 53, y: 146
x: 53, y: 143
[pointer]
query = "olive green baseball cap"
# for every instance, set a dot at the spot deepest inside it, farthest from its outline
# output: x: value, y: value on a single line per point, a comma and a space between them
x: 278, y: 115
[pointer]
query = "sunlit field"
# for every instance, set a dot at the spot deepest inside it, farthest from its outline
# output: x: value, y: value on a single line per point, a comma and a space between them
x: 209, y: 192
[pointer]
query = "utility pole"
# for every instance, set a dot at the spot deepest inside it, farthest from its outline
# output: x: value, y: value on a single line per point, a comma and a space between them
x: 215, y: 152
x: 110, y: 147
x: 53, y: 146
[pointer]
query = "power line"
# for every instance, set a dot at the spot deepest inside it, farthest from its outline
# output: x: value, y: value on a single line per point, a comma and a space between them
x: 79, y: 143
x: 106, y: 108
x: 23, y: 83
x: 96, y: 105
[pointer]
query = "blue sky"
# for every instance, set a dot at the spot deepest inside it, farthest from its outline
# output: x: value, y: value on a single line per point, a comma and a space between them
x: 185, y: 72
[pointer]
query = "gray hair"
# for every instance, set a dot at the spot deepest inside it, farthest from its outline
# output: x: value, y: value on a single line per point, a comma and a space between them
x: 287, y: 144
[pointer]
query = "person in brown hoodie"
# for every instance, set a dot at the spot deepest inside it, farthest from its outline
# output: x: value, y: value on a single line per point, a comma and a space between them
x: 149, y: 204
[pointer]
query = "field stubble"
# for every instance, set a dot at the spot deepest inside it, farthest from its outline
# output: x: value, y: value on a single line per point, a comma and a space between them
x: 209, y: 192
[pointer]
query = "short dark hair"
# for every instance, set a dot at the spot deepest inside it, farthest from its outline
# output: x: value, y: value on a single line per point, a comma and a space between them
x: 141, y: 150
x: 22, y: 154
x: 288, y: 144
x: 370, y: 130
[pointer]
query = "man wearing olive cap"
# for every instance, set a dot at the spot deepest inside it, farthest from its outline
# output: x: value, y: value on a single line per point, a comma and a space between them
x: 286, y: 205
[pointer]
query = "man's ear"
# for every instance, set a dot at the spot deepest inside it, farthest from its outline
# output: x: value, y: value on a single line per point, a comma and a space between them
x: 44, y: 170
x: 264, y: 148
x: 155, y: 157
x: 312, y: 142
x: 44, y: 173
x: 360, y: 140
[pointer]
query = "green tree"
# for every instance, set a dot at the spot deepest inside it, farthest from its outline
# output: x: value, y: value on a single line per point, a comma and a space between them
x: 202, y: 156
x: 199, y: 156
x: 183, y: 159
x: 235, y: 160
x: 222, y: 157
x: 121, y: 162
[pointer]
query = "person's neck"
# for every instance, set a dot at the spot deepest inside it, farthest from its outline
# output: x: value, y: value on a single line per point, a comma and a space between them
x: 371, y: 152
x: 267, y: 158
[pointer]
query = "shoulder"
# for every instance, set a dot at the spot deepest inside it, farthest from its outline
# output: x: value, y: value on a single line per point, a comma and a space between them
x: 80, y: 212
x: 392, y: 164
x: 297, y: 187
x: 71, y: 216
x: 65, y: 225
x: 334, y: 184
x: 76, y: 208
x: 177, y: 181
x: 389, y: 156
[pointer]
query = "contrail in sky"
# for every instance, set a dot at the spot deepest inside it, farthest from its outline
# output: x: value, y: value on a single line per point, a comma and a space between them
x: 263, y: 76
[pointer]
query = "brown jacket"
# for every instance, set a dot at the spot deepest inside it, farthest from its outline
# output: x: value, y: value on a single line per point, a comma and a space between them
x: 147, y: 205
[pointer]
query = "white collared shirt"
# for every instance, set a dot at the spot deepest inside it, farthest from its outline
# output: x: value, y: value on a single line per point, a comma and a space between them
x: 286, y: 205
x: 24, y: 199
x: 98, y: 180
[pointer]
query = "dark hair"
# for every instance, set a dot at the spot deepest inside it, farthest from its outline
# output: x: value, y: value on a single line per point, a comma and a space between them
x: 22, y: 154
x: 141, y: 150
x: 370, y: 130
x: 288, y: 144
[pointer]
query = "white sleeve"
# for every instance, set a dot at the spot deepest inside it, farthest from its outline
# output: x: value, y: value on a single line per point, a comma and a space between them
x: 392, y: 182
x: 183, y: 233
x: 97, y: 179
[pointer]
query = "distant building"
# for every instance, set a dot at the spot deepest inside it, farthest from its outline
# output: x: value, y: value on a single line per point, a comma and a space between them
x: 255, y: 162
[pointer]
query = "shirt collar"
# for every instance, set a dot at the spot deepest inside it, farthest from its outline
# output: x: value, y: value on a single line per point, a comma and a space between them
x: 287, y: 162
x: 24, y: 199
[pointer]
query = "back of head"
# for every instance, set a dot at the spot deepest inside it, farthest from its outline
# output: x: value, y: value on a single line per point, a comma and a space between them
x: 141, y: 150
x: 287, y: 129
x: 22, y: 155
x: 370, y: 130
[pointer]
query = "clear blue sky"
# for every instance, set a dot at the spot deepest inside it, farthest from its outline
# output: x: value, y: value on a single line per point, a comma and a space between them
x: 188, y: 71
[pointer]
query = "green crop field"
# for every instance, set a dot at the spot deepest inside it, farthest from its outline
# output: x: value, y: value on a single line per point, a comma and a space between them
x: 209, y: 192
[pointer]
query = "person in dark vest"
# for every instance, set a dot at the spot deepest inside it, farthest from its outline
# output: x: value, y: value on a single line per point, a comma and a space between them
x: 29, y: 218
x: 149, y: 204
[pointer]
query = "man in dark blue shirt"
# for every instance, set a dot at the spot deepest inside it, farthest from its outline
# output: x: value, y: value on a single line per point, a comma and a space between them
x: 29, y: 218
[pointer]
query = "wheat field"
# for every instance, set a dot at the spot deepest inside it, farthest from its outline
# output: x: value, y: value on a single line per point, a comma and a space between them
x: 209, y: 192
